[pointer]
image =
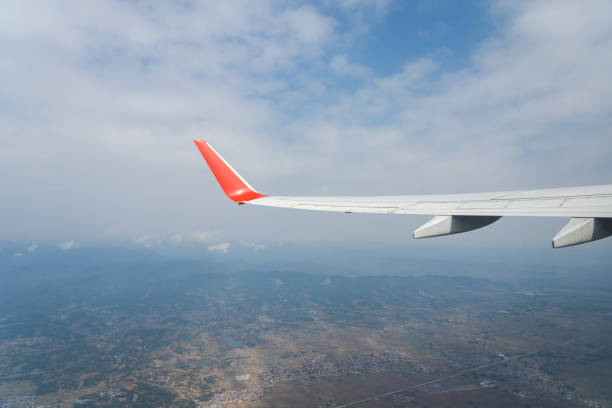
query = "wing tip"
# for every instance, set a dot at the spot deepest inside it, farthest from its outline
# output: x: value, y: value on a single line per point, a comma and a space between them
x: 232, y: 184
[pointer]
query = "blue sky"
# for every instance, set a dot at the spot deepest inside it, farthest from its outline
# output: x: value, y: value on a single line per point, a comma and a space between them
x: 413, y: 29
x: 101, y: 101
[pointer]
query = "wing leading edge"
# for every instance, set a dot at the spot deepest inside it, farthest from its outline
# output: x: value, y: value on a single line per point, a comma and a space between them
x: 589, y: 207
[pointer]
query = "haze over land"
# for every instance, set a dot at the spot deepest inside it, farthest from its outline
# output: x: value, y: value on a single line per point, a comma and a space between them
x: 113, y: 328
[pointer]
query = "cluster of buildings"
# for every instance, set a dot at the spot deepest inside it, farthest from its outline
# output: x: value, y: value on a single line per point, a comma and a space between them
x: 118, y: 392
x: 318, y: 365
x: 232, y: 396
x: 27, y: 401
x: 315, y: 365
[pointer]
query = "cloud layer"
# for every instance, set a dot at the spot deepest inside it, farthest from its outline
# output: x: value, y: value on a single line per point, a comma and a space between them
x: 100, y: 102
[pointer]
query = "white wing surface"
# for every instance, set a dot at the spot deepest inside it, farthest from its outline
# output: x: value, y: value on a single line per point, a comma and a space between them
x: 589, y: 207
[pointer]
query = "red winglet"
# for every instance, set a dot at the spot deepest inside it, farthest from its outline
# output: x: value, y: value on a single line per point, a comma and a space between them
x: 234, y: 186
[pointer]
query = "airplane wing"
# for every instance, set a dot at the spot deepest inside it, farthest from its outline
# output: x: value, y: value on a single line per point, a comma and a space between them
x: 589, y: 208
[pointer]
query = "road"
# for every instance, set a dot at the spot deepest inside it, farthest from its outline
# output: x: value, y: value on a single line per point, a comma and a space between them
x: 437, y: 380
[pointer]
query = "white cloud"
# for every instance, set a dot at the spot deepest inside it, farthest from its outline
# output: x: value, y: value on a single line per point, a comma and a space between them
x: 32, y: 248
x: 309, y: 26
x: 201, y: 237
x: 207, y: 68
x: 146, y: 240
x: 380, y: 6
x: 17, y: 254
x: 340, y: 64
x: 221, y: 248
x: 253, y: 245
x: 177, y: 238
x: 68, y: 245
x: 197, y: 237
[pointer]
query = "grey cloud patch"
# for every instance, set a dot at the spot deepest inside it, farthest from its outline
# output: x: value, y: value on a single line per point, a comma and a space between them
x: 147, y: 240
x: 177, y: 238
x: 68, y: 245
x: 341, y: 65
x: 200, y: 237
x: 220, y: 248
x: 252, y: 245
